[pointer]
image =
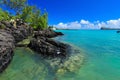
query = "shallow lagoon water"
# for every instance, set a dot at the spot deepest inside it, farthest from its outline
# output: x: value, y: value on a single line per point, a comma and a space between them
x: 101, y: 50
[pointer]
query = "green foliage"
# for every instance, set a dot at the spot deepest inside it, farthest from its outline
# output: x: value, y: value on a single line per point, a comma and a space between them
x: 26, y: 13
x: 16, y: 5
x: 4, y: 15
x: 43, y: 21
x: 32, y: 16
x: 29, y: 14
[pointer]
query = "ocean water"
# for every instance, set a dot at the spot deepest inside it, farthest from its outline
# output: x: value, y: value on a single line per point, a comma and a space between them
x: 101, y: 50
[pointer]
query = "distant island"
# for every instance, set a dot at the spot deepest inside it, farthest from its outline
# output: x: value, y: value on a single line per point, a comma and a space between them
x: 106, y: 28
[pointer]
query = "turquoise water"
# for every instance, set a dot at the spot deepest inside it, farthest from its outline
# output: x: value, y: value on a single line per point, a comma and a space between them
x: 101, y: 51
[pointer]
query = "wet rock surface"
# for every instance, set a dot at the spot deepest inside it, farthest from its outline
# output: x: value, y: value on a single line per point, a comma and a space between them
x: 6, y: 49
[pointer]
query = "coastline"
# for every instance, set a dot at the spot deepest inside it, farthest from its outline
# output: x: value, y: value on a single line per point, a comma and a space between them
x: 40, y: 41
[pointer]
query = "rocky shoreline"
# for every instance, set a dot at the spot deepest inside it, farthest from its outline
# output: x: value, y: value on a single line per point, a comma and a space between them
x: 40, y: 41
x: 6, y: 49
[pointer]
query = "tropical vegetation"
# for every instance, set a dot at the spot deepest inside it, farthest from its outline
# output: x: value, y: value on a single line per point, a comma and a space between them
x: 21, y: 10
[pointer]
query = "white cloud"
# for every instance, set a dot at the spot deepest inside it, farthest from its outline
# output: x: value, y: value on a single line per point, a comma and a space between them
x: 62, y: 25
x: 113, y: 23
x: 71, y: 25
x: 85, y: 24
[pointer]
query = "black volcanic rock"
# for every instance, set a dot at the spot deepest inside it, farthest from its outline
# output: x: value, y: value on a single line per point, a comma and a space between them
x: 47, y: 33
x: 6, y: 49
x: 9, y: 36
x: 48, y: 47
x: 21, y: 32
x: 40, y: 41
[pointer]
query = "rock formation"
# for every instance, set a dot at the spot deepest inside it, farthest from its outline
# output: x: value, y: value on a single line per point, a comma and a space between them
x: 48, y: 47
x: 11, y: 34
x: 47, y: 33
x: 6, y: 49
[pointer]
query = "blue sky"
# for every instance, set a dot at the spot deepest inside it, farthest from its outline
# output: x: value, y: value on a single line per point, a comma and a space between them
x: 75, y: 10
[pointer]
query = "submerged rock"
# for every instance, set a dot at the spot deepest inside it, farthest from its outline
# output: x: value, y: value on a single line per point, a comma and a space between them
x: 71, y: 63
x: 118, y: 31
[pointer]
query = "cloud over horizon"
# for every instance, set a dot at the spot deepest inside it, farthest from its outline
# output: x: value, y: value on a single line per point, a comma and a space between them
x: 85, y: 24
